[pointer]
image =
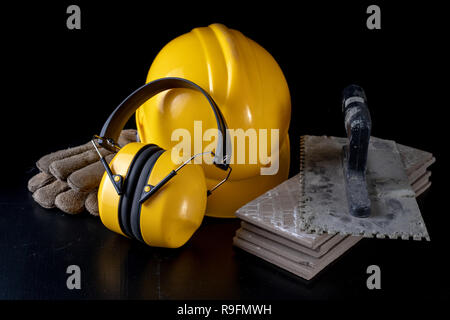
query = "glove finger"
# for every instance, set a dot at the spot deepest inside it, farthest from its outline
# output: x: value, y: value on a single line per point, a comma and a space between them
x: 127, y: 136
x: 61, y: 169
x: 91, y: 203
x: 46, y: 195
x: 43, y: 163
x: 88, y: 178
x: 71, y: 201
x: 39, y: 180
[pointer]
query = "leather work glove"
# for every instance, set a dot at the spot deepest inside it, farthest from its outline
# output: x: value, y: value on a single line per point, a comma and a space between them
x: 69, y: 178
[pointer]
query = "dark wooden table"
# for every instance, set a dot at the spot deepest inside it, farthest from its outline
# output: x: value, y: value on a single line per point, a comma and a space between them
x: 37, y: 245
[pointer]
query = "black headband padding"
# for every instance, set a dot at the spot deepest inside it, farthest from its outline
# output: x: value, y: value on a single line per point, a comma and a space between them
x: 135, y: 212
x: 130, y: 182
x: 118, y: 119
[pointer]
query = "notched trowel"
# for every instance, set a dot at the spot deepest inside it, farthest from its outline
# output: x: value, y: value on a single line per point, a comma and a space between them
x: 357, y: 186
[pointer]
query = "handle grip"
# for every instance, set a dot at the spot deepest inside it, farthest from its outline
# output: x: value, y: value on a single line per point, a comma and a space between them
x: 358, y: 125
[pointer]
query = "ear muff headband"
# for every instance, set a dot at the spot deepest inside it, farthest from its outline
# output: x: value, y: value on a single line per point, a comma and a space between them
x: 119, y: 117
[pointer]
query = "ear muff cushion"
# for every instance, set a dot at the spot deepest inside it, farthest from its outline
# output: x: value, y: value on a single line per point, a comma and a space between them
x: 135, y: 212
x: 130, y: 182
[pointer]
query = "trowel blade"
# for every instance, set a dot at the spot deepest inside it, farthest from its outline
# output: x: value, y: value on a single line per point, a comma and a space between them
x: 323, y: 204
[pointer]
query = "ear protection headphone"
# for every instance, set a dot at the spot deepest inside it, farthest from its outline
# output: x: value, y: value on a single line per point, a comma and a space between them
x: 145, y: 196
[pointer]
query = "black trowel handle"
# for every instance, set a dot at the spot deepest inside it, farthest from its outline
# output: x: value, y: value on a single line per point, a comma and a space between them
x: 358, y: 125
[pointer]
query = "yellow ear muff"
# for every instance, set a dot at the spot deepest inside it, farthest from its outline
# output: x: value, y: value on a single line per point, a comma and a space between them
x: 171, y: 215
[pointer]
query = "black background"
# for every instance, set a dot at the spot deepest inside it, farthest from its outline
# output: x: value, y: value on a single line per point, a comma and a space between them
x: 61, y: 84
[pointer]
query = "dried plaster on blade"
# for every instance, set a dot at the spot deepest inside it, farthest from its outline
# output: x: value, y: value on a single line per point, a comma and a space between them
x: 323, y: 206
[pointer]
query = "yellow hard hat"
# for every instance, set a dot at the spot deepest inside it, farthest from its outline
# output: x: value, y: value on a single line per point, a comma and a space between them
x: 252, y: 93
